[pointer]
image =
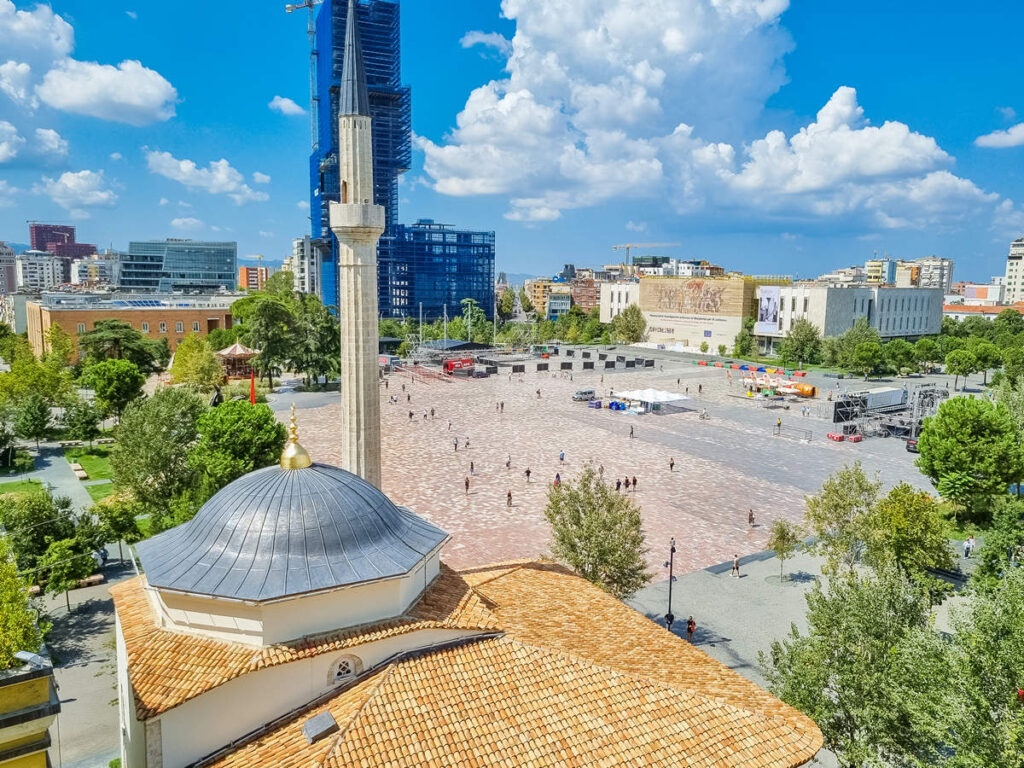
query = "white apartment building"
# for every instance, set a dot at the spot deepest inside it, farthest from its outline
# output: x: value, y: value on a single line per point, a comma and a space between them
x: 96, y: 270
x: 8, y: 270
x: 38, y: 271
x: 894, y: 312
x: 845, y: 276
x: 615, y: 297
x: 934, y: 272
x: 303, y: 265
x: 1015, y: 272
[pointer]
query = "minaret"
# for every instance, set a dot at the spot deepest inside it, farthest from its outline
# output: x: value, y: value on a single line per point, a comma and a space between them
x: 358, y: 225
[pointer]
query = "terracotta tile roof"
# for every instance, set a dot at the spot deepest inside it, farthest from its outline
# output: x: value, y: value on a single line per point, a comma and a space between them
x: 578, y: 679
x: 167, y: 668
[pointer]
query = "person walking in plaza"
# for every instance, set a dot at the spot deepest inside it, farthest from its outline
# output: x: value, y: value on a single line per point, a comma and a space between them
x: 561, y: 457
x: 424, y: 415
x: 508, y: 498
x: 736, y: 566
x: 455, y: 442
x: 967, y: 548
x: 527, y: 473
x: 408, y: 398
x: 410, y: 415
x: 385, y: 383
x: 467, y: 442
x: 431, y: 414
x: 626, y: 483
x: 691, y: 627
x: 508, y: 462
x: 467, y: 486
x: 970, y: 540
x: 750, y: 518
x: 538, y: 394
x: 472, y: 468
x: 558, y: 479
x: 618, y: 484
x: 700, y: 389
x: 502, y: 406
x: 671, y: 464
x: 403, y: 387
x: 634, y: 483
x: 631, y: 431
x: 449, y: 425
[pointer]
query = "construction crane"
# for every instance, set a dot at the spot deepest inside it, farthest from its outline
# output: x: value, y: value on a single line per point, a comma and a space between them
x: 314, y: 100
x: 627, y: 247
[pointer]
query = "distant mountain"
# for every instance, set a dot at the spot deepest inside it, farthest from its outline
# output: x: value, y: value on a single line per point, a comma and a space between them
x: 518, y: 278
x: 19, y: 247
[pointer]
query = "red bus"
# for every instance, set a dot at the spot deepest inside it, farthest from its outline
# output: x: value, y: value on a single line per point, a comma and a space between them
x: 462, y: 367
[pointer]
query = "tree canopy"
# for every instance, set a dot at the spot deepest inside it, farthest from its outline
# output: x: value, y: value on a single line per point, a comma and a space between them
x: 116, y: 382
x: 236, y: 438
x: 630, y: 325
x: 18, y: 628
x: 117, y: 339
x: 196, y: 365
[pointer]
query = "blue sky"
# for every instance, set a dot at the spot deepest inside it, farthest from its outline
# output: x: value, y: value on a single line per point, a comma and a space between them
x: 771, y: 136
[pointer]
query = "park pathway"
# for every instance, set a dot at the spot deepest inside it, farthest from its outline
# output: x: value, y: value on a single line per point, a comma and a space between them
x: 53, y: 469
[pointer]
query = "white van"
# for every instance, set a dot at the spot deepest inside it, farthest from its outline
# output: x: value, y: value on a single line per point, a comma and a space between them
x: 584, y: 395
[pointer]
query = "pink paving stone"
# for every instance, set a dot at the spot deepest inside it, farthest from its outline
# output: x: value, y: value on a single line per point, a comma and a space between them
x: 703, y: 503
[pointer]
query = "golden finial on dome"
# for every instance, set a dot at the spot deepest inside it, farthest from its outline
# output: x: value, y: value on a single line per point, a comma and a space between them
x: 294, y: 456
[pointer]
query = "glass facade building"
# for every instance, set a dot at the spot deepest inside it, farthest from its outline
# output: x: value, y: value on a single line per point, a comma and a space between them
x: 427, y: 262
x: 173, y: 266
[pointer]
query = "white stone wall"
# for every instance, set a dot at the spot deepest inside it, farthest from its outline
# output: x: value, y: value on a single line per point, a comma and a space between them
x: 615, y: 297
x: 132, y: 732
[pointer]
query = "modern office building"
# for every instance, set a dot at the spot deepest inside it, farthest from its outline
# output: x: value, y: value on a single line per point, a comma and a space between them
x: 1015, y: 271
x: 8, y: 270
x: 435, y: 265
x: 172, y: 266
x: 41, y: 236
x: 304, y: 265
x: 448, y: 276
x: 253, y: 278
x: 38, y: 271
x: 559, y: 301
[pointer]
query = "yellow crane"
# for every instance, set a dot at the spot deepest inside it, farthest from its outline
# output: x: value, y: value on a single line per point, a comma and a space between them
x: 628, y: 247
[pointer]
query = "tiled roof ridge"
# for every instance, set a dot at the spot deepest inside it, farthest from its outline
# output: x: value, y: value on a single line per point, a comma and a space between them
x: 508, y: 567
x: 385, y: 675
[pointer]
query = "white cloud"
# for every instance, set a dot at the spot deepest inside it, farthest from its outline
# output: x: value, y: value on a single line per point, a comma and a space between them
x: 1008, y: 113
x: 264, y: 233
x: 16, y: 82
x: 115, y: 156
x: 128, y: 93
x: 186, y: 223
x: 51, y: 143
x: 218, y: 178
x: 499, y: 43
x: 260, y: 178
x: 10, y: 141
x: 76, y: 191
x: 38, y: 34
x: 1011, y: 137
x: 302, y: 205
x: 183, y: 204
x: 164, y: 201
x: 285, y: 106
x: 636, y: 226
x: 131, y: 14
x: 7, y: 194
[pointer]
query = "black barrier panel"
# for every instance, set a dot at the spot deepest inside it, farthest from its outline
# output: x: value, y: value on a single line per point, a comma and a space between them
x: 609, y: 363
x: 518, y: 369
x: 588, y: 365
x: 570, y: 353
x: 586, y: 355
x: 631, y: 363
x: 567, y: 366
x: 639, y: 361
x: 542, y: 366
x: 620, y: 358
x: 602, y: 356
x: 648, y: 363
x: 492, y: 370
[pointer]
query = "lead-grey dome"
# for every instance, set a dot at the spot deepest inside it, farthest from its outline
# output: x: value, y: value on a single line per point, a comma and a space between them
x: 279, y: 532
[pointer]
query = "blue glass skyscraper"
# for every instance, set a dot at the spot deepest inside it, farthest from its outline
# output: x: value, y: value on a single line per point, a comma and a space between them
x: 406, y: 277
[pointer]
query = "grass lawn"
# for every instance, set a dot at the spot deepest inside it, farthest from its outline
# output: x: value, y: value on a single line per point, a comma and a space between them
x: 95, y: 461
x: 100, y: 491
x: 22, y: 486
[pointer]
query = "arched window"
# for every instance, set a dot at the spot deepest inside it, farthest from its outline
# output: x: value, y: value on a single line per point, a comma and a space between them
x: 344, y: 191
x: 344, y: 669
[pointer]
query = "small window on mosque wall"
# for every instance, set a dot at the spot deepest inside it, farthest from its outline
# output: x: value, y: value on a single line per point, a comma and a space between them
x: 344, y: 669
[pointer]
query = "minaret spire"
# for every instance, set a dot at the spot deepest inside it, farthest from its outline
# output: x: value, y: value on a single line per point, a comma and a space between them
x: 357, y: 223
x: 354, y: 98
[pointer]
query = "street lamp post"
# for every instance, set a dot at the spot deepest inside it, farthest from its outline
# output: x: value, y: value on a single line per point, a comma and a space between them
x: 670, y: 564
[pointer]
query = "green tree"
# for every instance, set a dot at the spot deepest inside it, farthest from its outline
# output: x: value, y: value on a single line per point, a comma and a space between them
x: 722, y: 350
x: 31, y: 520
x: 1003, y: 544
x: 194, y: 364
x: 60, y: 348
x: 598, y: 533
x: 630, y: 325
x: 743, y: 344
x: 524, y: 299
x: 900, y: 355
x: 837, y: 516
x: 866, y: 357
x: 118, y: 515
x: 959, y: 489
x: 82, y: 421
x: 221, y: 338
x: 154, y: 436
x: 32, y: 418
x: 986, y: 356
x: 861, y: 670
x: 974, y: 437
x: 267, y: 327
x: 862, y: 332
x: 116, y: 382
x: 118, y: 340
x: 280, y: 284
x: 1009, y: 321
x: 316, y: 345
x: 507, y: 303
x: 63, y: 566
x: 236, y: 438
x: 960, y: 362
x: 18, y: 628
x: 927, y: 352
x: 905, y: 528
x: 784, y: 539
x: 802, y: 342
x: 1013, y: 365
x: 704, y: 346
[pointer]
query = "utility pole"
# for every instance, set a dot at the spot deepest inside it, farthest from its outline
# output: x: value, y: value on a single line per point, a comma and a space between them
x: 670, y: 564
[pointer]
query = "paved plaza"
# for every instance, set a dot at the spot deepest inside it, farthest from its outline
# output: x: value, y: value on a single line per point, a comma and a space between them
x: 724, y: 466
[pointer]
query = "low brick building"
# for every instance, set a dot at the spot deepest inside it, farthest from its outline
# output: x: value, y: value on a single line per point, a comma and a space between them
x: 169, y: 317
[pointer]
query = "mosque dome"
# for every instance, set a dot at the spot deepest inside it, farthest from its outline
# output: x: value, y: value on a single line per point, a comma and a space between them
x: 282, y: 532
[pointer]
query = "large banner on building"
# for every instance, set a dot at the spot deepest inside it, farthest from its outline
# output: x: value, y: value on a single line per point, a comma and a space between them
x: 722, y: 297
x: 768, y: 311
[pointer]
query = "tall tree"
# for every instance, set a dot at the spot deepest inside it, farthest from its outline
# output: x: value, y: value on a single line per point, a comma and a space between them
x: 986, y: 356
x: 784, y: 539
x: 267, y: 327
x: 960, y: 362
x: 598, y: 533
x: 901, y: 355
x: 802, y: 342
x: 507, y: 303
x: 864, y: 670
x: 316, y: 346
x: 630, y: 325
x: 1009, y: 321
x: 837, y: 516
x: 32, y: 520
x: 196, y: 365
x: 280, y: 284
x: 60, y: 348
x: 18, y: 628
x: 862, y: 332
x: 1003, y: 544
x: 1013, y: 365
x: 118, y: 340
x: 236, y: 438
x: 116, y: 383
x: 743, y: 344
x: 524, y: 299
x: 63, y: 566
x: 154, y: 436
x: 927, y: 352
x: 974, y: 437
x: 32, y: 418
x: 81, y: 421
x: 867, y: 356
x: 906, y: 528
x: 118, y: 514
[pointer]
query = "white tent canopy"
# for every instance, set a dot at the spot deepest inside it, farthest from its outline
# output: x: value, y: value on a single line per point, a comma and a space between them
x: 651, y: 396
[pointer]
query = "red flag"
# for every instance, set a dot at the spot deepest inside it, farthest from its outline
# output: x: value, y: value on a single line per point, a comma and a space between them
x: 252, y: 387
